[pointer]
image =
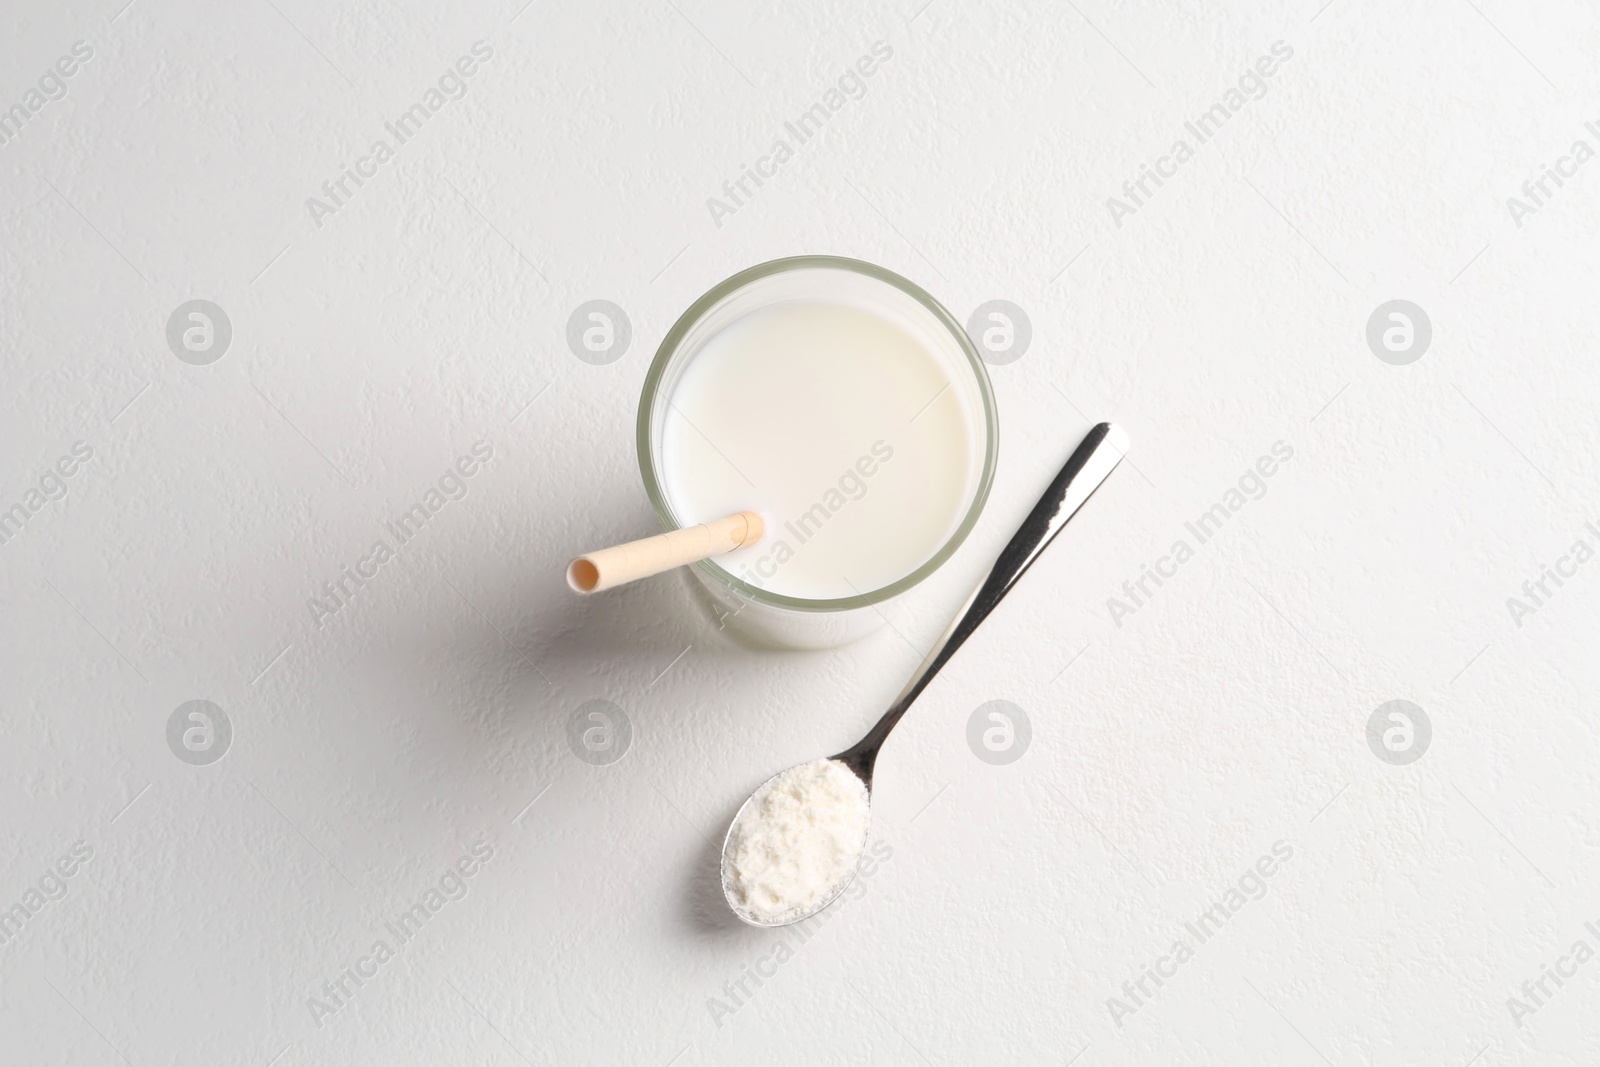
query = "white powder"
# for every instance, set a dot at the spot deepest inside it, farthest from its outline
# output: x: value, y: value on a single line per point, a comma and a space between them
x: 796, y: 842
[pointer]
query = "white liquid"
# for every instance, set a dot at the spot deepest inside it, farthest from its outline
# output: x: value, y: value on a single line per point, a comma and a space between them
x: 841, y: 428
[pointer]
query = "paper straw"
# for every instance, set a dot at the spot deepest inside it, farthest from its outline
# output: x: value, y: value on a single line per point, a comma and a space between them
x: 594, y: 571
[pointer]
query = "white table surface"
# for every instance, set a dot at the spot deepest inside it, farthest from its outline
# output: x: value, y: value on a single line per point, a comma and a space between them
x: 1171, y: 747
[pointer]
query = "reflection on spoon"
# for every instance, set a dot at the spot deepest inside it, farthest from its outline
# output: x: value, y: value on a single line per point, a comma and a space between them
x: 794, y: 845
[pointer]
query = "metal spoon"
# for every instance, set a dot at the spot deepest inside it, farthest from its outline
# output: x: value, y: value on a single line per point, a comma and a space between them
x: 1101, y: 450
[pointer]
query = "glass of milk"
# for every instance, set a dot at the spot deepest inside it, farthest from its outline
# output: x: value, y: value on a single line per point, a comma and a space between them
x: 851, y: 410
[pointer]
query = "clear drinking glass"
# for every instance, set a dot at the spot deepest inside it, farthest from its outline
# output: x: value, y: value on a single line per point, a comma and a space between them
x: 775, y: 618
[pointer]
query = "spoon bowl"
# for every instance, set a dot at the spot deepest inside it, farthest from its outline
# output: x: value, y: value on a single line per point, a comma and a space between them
x: 1093, y: 460
x: 844, y: 868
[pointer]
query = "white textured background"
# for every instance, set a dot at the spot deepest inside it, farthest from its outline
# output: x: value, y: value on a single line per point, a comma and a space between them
x: 430, y: 311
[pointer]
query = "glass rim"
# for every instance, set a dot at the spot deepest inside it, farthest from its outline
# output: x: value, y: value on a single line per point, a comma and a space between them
x: 669, y: 348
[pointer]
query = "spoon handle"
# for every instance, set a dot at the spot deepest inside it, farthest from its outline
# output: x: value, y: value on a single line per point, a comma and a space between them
x: 1101, y: 450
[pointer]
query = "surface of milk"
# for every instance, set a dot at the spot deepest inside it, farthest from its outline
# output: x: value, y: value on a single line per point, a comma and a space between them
x: 841, y: 428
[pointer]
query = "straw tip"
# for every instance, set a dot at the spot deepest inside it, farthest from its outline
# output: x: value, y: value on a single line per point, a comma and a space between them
x: 755, y: 528
x: 582, y: 575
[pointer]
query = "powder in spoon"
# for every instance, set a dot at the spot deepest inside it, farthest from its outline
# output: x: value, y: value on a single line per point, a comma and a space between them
x: 796, y: 842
